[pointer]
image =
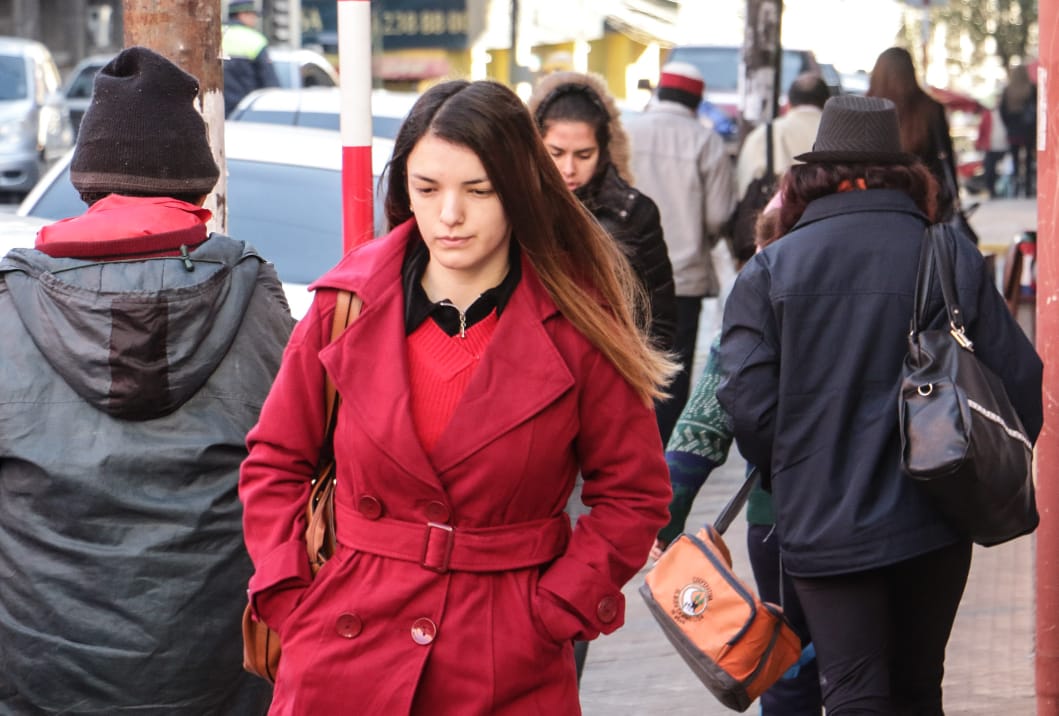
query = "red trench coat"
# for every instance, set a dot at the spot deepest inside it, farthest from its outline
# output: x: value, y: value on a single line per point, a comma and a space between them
x: 402, y: 620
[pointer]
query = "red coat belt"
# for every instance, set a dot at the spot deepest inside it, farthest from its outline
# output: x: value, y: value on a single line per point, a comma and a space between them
x: 442, y: 547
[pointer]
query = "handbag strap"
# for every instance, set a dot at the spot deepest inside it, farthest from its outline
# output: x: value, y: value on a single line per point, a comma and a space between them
x: 347, y: 309
x: 736, y: 503
x: 937, y: 258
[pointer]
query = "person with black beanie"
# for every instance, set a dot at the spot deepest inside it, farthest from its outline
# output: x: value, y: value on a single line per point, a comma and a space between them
x: 139, y: 349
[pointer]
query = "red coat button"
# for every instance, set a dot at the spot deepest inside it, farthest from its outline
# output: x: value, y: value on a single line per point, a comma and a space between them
x: 370, y: 507
x: 607, y: 611
x: 348, y: 625
x: 423, y: 631
x: 437, y: 512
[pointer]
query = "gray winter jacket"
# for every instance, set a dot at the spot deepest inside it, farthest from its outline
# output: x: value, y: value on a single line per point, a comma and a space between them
x: 126, y: 392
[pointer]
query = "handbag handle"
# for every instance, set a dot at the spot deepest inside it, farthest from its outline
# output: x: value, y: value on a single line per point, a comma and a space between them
x: 936, y: 257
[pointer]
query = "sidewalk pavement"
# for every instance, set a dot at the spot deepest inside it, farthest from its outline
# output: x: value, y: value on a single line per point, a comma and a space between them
x: 989, y: 663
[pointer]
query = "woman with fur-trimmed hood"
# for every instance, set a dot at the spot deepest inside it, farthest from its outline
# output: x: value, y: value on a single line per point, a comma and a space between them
x: 582, y: 130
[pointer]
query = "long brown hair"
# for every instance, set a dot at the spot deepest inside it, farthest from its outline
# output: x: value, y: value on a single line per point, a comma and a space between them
x: 581, y: 267
x: 894, y: 78
x: 1019, y: 89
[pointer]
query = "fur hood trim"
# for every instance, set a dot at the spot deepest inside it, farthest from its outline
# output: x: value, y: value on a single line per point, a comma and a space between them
x: 619, y: 140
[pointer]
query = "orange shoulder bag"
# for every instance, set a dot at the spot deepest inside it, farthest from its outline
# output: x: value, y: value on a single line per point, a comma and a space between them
x: 736, y: 644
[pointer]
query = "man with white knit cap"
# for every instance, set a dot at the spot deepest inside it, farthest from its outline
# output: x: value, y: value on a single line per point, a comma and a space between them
x: 684, y: 167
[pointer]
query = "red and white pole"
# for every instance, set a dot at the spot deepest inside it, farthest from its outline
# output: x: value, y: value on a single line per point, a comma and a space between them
x: 354, y: 67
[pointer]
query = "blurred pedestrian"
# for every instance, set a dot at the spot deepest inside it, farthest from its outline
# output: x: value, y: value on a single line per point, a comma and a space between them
x: 696, y: 448
x: 684, y: 167
x: 247, y: 64
x: 512, y: 361
x: 924, y: 126
x: 582, y: 131
x: 992, y: 141
x: 1018, y: 109
x: 814, y: 338
x: 139, y: 349
x: 793, y: 133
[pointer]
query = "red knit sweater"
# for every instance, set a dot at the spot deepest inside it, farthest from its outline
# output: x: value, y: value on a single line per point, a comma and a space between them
x: 440, y: 367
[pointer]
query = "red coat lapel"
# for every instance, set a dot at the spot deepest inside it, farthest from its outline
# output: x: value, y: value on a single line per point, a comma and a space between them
x: 520, y: 374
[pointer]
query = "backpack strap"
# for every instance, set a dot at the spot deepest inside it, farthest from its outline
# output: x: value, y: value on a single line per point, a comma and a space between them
x: 770, y: 168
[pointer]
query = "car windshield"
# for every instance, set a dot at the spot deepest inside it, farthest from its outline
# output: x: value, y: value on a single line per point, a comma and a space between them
x: 290, y: 214
x: 80, y: 87
x: 316, y: 120
x: 13, y: 82
x: 380, y: 126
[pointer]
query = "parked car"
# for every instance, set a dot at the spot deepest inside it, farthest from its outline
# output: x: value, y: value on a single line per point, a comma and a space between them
x: 294, y: 68
x: 77, y: 90
x: 302, y: 68
x: 18, y: 231
x: 284, y: 198
x: 34, y: 127
x: 321, y: 107
x: 720, y: 66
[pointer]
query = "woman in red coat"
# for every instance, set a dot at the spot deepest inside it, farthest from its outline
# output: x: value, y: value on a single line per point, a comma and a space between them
x: 494, y: 357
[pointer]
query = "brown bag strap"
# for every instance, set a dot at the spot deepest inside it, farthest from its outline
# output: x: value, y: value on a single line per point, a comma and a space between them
x: 319, y: 513
x: 347, y: 308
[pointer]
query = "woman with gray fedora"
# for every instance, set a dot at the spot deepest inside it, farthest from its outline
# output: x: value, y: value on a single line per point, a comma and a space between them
x: 814, y: 336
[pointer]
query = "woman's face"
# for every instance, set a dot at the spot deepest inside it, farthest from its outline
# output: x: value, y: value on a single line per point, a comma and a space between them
x: 458, y: 212
x: 574, y: 150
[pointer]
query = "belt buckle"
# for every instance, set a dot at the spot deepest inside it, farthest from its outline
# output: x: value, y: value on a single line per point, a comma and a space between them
x: 432, y: 529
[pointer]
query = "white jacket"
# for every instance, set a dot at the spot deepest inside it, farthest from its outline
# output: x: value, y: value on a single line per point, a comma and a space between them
x: 684, y: 167
x: 792, y: 134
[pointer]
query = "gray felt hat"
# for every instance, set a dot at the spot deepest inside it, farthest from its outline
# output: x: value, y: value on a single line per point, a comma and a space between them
x: 858, y: 130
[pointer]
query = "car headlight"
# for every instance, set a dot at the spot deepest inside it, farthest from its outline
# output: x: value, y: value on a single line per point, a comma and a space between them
x: 17, y: 133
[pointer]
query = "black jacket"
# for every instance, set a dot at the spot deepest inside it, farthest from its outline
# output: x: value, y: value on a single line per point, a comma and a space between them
x: 247, y: 65
x: 632, y: 219
x: 815, y: 333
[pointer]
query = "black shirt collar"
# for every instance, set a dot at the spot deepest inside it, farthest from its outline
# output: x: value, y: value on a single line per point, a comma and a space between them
x: 417, y: 307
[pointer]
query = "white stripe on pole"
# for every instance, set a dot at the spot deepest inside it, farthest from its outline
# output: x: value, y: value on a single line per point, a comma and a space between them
x: 354, y: 68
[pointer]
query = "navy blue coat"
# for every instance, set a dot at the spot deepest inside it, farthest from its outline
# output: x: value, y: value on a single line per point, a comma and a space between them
x: 815, y: 333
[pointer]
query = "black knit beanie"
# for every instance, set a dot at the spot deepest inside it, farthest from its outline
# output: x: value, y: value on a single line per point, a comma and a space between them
x: 142, y: 133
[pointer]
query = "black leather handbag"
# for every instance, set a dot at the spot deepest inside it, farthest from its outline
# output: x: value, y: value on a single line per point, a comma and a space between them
x: 961, y: 438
